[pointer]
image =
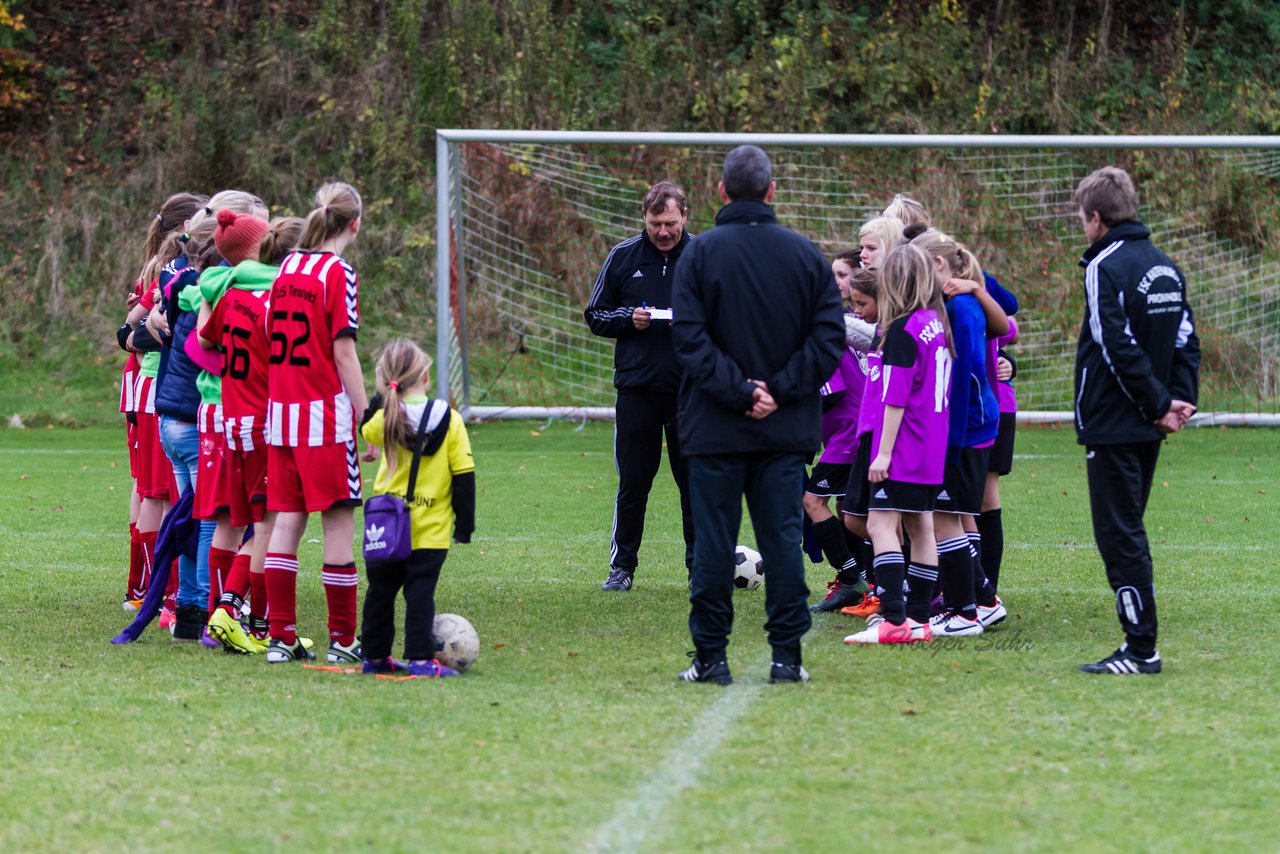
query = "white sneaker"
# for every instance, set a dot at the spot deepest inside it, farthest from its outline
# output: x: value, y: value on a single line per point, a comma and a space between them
x: 995, y: 614
x: 953, y: 624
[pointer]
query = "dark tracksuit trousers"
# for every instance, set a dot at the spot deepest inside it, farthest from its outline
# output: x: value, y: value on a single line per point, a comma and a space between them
x: 770, y: 482
x: 417, y: 576
x: 641, y: 420
x: 1120, y: 479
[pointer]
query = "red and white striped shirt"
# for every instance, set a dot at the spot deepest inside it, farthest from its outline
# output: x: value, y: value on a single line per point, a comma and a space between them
x: 314, y: 301
x: 237, y: 326
x: 144, y: 395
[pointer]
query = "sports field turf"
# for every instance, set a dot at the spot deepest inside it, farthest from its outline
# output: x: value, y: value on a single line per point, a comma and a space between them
x: 572, y: 734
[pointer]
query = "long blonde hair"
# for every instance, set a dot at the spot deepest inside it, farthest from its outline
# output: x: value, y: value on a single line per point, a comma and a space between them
x: 907, y: 285
x: 401, y: 364
x: 337, y: 206
x: 908, y: 210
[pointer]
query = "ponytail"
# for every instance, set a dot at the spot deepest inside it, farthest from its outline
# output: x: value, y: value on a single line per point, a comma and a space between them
x: 337, y: 206
x: 401, y: 365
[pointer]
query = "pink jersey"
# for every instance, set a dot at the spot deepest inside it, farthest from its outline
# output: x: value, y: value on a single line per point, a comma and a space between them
x: 840, y: 422
x: 1006, y: 397
x: 912, y: 371
x: 238, y: 326
x: 313, y: 303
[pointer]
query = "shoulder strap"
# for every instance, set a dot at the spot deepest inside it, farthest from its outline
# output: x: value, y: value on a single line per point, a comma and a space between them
x: 431, y: 415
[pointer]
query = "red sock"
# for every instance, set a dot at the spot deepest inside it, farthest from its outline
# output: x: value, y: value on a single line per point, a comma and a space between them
x: 220, y: 561
x: 259, y: 605
x: 147, y: 551
x: 136, y: 589
x: 340, y: 591
x: 282, y: 592
x: 236, y: 585
x: 171, y: 589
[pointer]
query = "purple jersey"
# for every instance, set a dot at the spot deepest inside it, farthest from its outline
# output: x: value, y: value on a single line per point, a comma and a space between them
x: 1005, y: 395
x: 840, y: 422
x: 914, y: 368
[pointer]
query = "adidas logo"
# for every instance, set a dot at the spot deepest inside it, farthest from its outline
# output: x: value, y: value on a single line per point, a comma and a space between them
x: 943, y: 496
x: 373, y: 538
x: 823, y: 483
x: 637, y: 275
x: 880, y: 493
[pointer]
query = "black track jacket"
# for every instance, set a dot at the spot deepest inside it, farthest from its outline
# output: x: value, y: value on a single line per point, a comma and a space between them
x: 636, y: 274
x: 1138, y: 348
x: 753, y: 300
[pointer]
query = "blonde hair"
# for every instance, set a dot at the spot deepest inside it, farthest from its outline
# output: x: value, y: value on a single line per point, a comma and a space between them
x: 280, y: 238
x: 401, y: 364
x: 178, y: 243
x: 337, y: 206
x: 1110, y: 192
x: 908, y: 211
x: 887, y: 228
x: 907, y: 285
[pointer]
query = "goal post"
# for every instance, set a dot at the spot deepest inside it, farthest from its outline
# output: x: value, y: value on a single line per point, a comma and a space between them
x: 525, y: 218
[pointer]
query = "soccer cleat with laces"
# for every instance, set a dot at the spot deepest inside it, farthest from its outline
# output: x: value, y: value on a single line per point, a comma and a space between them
x: 384, y: 665
x: 784, y: 673
x: 1123, y: 663
x: 880, y: 630
x: 953, y: 624
x: 228, y: 631
x: 339, y: 654
x: 430, y: 669
x: 841, y: 595
x: 869, y: 607
x: 702, y: 671
x: 990, y: 616
x: 278, y: 652
x: 619, y: 579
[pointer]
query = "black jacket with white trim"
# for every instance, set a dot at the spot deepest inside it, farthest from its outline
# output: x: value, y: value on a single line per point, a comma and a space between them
x: 636, y: 274
x: 1138, y: 349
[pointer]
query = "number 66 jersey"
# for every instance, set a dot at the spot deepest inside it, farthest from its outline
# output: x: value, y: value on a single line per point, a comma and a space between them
x: 313, y: 303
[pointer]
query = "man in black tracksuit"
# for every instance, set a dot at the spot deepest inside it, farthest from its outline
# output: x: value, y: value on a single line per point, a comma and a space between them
x: 758, y: 328
x: 633, y: 286
x: 1136, y: 379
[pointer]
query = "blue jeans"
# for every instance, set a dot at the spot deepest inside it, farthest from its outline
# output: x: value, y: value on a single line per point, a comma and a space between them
x: 772, y: 484
x: 181, y: 443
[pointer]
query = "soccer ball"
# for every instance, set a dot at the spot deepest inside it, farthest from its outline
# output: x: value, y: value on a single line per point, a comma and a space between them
x: 748, y: 570
x: 457, y: 644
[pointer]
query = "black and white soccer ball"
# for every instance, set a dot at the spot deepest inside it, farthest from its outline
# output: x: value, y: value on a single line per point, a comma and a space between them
x: 748, y: 570
x: 456, y: 642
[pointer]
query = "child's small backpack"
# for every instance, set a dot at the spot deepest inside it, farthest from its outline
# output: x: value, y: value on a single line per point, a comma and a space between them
x: 388, y: 532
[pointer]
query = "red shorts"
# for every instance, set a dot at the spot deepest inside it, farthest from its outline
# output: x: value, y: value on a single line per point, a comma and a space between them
x: 245, y: 474
x: 131, y: 442
x: 309, y: 479
x: 211, y: 480
x: 155, y: 472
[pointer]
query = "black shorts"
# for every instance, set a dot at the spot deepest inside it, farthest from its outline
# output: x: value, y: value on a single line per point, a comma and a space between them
x: 1001, y: 461
x: 856, y: 492
x: 902, y: 496
x: 964, y: 481
x: 828, y: 480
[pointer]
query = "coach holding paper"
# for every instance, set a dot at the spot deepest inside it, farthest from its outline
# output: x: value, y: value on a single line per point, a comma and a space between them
x: 758, y: 328
x: 630, y: 297
x: 1136, y: 379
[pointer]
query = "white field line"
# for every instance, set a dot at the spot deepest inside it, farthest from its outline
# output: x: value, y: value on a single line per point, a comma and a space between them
x: 124, y: 455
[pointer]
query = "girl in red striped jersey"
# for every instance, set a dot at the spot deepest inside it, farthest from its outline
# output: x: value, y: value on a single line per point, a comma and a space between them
x: 317, y: 395
x: 236, y: 326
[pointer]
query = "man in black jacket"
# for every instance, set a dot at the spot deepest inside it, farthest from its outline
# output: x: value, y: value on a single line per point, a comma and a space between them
x: 758, y: 328
x: 1136, y: 379
x: 631, y: 301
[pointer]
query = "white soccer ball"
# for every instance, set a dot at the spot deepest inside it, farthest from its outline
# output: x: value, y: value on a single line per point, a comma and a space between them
x: 456, y: 641
x: 748, y: 570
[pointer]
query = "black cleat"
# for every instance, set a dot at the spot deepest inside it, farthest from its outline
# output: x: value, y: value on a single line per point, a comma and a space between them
x: 840, y: 595
x: 701, y: 671
x: 1123, y: 663
x: 619, y: 579
x: 783, y: 673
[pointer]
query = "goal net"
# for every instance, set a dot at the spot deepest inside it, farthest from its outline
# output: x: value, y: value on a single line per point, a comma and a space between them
x: 527, y: 218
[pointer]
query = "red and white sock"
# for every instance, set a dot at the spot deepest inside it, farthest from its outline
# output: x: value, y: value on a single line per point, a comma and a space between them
x: 137, y: 587
x: 236, y: 586
x: 282, y: 592
x: 219, y: 568
x: 340, y: 592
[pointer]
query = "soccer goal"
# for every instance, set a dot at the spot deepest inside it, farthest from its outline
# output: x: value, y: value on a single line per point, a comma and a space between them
x: 525, y: 219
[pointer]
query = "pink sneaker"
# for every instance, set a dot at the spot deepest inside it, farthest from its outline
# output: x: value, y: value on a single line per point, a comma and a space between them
x: 883, y: 631
x: 167, y: 618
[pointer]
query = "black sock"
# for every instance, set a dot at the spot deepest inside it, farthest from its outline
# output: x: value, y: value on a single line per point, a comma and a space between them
x: 830, y: 536
x: 921, y: 579
x: 955, y: 568
x: 991, y: 527
x: 984, y: 592
x: 890, y: 571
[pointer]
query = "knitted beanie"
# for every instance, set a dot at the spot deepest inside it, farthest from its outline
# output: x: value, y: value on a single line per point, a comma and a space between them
x: 238, y: 236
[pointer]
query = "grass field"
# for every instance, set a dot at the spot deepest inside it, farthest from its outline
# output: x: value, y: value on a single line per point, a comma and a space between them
x: 571, y: 733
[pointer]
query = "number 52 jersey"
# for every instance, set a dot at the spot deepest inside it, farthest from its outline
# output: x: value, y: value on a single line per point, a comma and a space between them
x: 314, y: 301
